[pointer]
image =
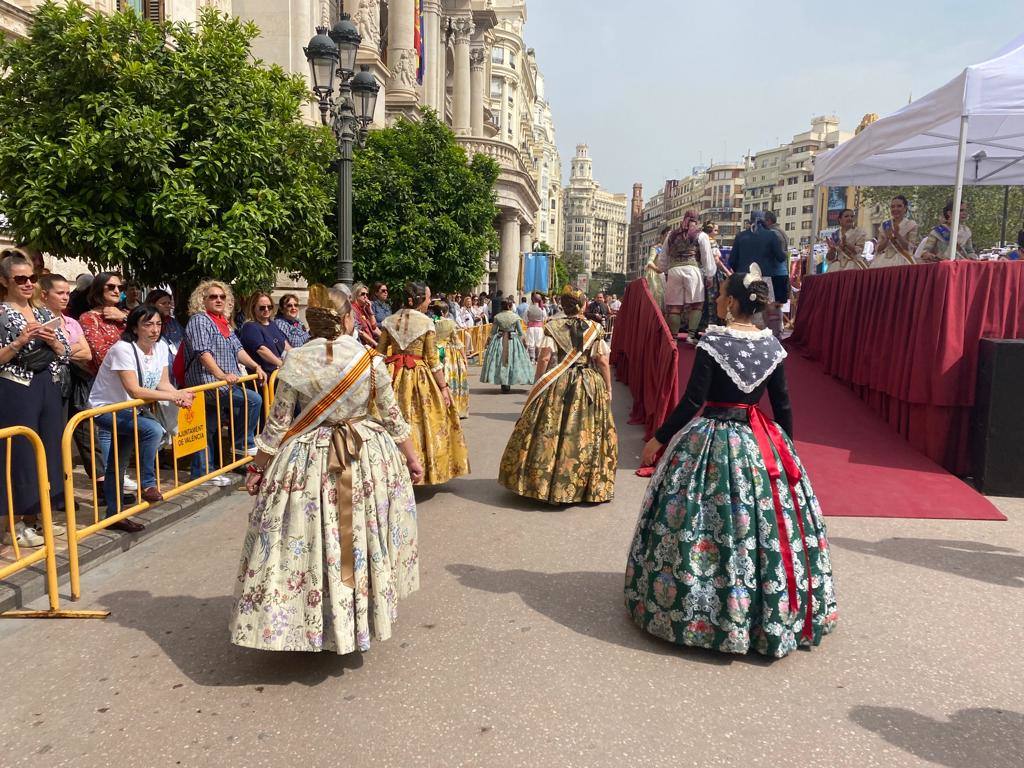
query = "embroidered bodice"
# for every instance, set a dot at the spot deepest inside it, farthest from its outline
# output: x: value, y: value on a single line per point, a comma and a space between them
x: 733, y: 366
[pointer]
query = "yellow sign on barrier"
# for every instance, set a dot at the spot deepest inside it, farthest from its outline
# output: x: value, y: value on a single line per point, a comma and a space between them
x: 191, y: 437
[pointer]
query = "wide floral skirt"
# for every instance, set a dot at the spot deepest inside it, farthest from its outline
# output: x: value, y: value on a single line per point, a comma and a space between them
x: 564, y: 448
x: 705, y: 567
x: 456, y: 372
x: 290, y: 595
x: 436, y: 432
x: 517, y: 369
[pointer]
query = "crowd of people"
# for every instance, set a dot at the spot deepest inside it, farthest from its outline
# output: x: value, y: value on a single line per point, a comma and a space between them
x: 368, y: 404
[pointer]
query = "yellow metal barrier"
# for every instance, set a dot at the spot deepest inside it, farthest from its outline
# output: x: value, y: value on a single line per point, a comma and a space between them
x: 75, y: 535
x: 48, y: 552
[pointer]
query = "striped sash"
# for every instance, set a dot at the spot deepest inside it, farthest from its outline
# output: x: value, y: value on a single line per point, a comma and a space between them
x: 313, y: 414
x: 551, y: 375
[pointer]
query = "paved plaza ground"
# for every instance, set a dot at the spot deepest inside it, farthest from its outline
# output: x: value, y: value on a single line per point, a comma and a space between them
x: 517, y: 651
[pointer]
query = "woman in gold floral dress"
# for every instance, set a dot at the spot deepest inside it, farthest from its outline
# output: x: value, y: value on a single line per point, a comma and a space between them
x: 331, y: 546
x: 564, y: 448
x: 409, y: 342
x: 453, y: 357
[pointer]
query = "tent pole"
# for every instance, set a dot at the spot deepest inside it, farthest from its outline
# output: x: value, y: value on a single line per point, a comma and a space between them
x: 958, y: 192
x: 1006, y: 213
x: 809, y: 269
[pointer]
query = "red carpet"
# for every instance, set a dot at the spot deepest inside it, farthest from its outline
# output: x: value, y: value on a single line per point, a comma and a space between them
x: 859, y: 466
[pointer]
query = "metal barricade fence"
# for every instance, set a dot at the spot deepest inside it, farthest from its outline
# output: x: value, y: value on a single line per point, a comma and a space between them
x: 48, y: 552
x: 214, y: 465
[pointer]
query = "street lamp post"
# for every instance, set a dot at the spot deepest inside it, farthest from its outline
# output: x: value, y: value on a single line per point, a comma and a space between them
x: 332, y: 55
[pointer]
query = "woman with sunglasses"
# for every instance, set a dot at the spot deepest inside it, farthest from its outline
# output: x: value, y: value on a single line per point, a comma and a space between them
x: 369, y: 332
x: 213, y: 353
x: 265, y: 342
x: 33, y: 350
x: 288, y: 320
x: 381, y: 303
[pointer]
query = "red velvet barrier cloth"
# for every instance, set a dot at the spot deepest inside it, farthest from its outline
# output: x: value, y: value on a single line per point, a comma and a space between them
x: 645, y: 357
x: 906, y: 340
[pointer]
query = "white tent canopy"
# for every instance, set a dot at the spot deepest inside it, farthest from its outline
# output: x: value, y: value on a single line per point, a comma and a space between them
x: 979, y: 115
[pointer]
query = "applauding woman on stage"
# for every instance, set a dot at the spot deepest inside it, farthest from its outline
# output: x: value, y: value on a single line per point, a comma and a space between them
x: 730, y: 550
x: 331, y: 546
x: 564, y: 449
x: 935, y: 246
x: 846, y: 245
x: 899, y: 237
x: 409, y: 342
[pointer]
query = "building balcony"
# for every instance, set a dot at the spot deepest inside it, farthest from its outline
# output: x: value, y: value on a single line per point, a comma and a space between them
x: 516, y: 188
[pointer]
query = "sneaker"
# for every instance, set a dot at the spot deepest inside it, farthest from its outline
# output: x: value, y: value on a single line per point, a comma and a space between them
x: 252, y: 451
x: 221, y: 481
x: 129, y: 485
x: 25, y: 535
x: 59, y: 530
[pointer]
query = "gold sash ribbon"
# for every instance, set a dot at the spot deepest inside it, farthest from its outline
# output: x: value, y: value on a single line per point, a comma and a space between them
x: 346, y: 443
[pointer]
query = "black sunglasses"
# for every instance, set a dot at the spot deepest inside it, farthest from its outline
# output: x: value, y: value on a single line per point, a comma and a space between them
x: 25, y: 279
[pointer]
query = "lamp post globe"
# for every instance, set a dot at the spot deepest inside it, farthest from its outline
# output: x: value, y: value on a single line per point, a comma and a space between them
x: 347, y: 39
x: 364, y: 91
x: 322, y: 55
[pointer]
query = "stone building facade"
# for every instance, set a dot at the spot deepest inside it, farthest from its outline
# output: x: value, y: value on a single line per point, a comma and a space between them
x: 594, y: 220
x: 781, y: 179
x: 477, y: 75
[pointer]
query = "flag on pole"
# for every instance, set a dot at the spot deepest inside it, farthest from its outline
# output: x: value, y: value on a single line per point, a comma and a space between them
x: 417, y: 39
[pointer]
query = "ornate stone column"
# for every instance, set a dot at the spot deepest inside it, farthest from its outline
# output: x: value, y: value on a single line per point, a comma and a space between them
x: 367, y: 18
x: 477, y: 72
x: 402, y: 58
x: 433, y: 51
x: 508, y: 259
x: 463, y: 28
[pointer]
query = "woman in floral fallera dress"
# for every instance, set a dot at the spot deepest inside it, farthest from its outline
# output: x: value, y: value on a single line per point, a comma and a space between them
x: 564, y: 449
x: 331, y: 545
x: 409, y: 341
x: 453, y: 357
x: 730, y: 551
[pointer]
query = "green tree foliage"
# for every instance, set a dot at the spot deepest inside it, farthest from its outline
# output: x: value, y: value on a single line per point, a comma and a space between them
x: 984, y: 207
x: 164, y: 151
x: 420, y: 211
x: 567, y: 266
x: 609, y: 282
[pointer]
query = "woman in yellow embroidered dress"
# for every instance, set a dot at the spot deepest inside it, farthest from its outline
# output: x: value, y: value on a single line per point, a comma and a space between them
x: 564, y: 449
x: 331, y: 545
x: 409, y: 343
x: 453, y: 356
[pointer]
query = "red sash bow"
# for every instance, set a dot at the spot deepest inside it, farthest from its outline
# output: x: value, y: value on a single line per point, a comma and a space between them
x: 403, y: 360
x: 769, y: 437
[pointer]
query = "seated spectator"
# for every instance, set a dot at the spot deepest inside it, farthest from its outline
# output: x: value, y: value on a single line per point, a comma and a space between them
x: 213, y: 353
x: 33, y: 350
x: 369, y: 332
x: 263, y: 339
x: 381, y: 304
x: 288, y: 320
x: 132, y: 296
x: 134, y: 368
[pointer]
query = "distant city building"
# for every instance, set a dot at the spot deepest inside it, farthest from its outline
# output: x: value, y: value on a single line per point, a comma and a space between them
x: 595, y: 222
x: 781, y: 179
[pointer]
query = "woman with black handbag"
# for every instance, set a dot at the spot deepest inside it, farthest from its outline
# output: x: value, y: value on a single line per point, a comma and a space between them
x: 33, y: 351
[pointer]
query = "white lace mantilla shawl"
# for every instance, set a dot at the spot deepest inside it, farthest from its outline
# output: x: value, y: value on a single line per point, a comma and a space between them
x: 407, y: 325
x: 748, y: 357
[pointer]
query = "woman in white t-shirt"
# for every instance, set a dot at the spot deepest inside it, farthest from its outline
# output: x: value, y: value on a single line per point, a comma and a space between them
x: 135, y: 368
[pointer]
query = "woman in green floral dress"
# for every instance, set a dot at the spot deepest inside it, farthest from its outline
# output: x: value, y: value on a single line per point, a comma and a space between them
x: 564, y: 449
x: 730, y: 552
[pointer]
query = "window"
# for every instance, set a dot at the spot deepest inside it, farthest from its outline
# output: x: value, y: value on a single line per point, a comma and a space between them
x: 792, y: 180
x: 806, y: 224
x: 789, y: 226
x: 150, y: 10
x: 496, y: 86
x: 808, y: 178
x: 808, y: 193
x: 808, y: 209
x: 498, y: 54
x: 512, y: 59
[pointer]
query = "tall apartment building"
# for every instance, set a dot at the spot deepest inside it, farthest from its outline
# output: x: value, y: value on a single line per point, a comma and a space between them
x: 547, y: 165
x: 595, y: 222
x: 634, y: 252
x: 781, y: 179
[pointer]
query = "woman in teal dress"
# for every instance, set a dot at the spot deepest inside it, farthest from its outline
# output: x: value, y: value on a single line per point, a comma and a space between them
x: 506, y: 361
x: 730, y: 551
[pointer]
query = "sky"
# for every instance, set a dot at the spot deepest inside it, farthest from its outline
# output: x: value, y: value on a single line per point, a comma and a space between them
x: 656, y: 87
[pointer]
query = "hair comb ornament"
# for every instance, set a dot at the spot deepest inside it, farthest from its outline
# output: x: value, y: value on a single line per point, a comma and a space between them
x: 753, y: 276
